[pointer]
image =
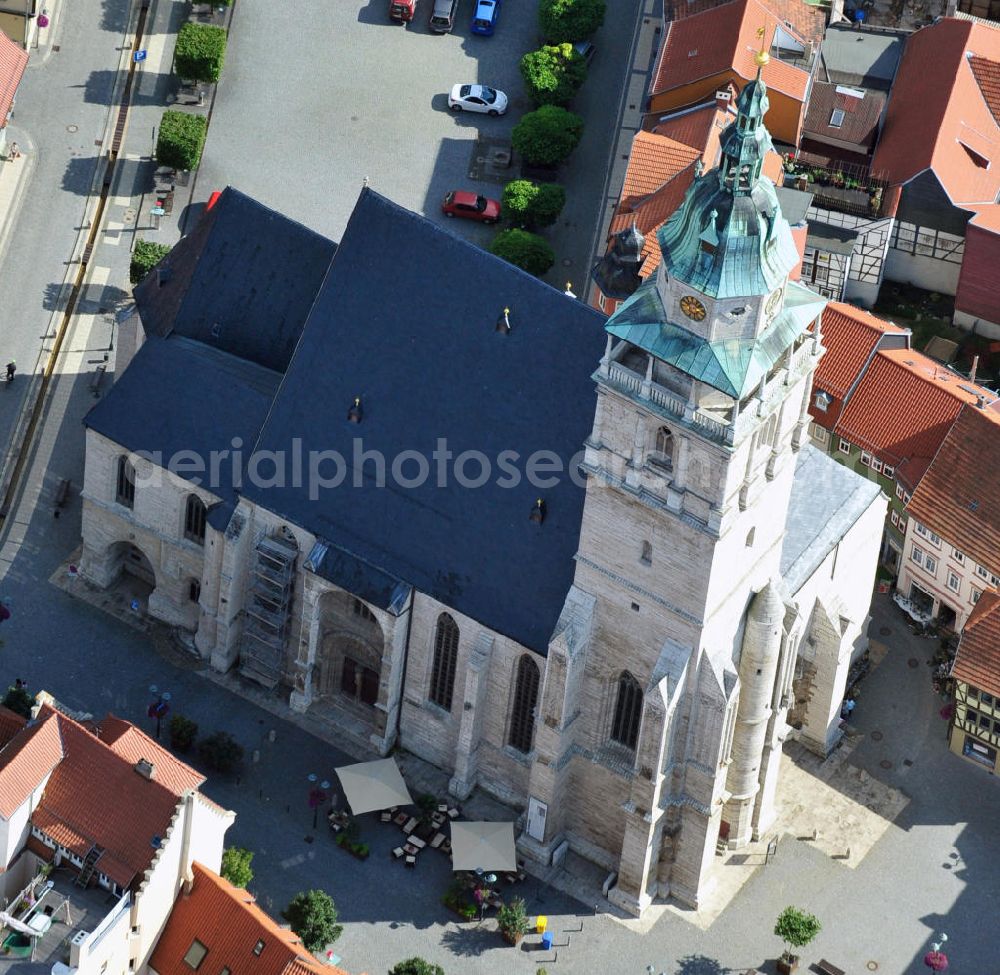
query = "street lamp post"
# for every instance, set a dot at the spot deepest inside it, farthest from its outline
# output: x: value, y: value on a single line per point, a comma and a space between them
x: 160, y: 707
x: 317, y: 795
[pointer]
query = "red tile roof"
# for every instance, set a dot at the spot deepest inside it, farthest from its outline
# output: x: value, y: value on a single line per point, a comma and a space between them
x: 861, y: 115
x: 25, y: 761
x: 94, y: 796
x: 938, y: 112
x: 228, y: 922
x: 809, y: 21
x: 128, y: 742
x: 850, y: 336
x: 987, y: 75
x: 13, y: 60
x: 698, y: 127
x: 653, y: 161
x: 722, y: 39
x: 977, y: 661
x: 977, y: 293
x: 902, y: 410
x: 10, y: 724
x: 959, y: 496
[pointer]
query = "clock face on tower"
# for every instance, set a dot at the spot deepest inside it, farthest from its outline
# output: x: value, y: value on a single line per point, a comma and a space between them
x: 772, y: 304
x: 693, y: 308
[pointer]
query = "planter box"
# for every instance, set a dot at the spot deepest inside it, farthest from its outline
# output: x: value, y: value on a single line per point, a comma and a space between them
x: 512, y: 939
x: 787, y: 964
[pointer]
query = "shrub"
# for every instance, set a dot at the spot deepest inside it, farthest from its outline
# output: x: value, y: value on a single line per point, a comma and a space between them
x: 221, y: 752
x: 183, y: 731
x: 525, y: 250
x: 200, y: 52
x: 416, y: 966
x: 20, y: 700
x: 512, y: 919
x: 531, y: 204
x: 796, y: 928
x: 181, y: 139
x: 546, y: 136
x: 313, y: 917
x: 236, y: 865
x: 553, y: 74
x: 569, y: 20
x: 145, y: 257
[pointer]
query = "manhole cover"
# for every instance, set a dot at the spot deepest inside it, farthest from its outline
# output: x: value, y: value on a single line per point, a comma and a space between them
x: 876, y: 736
x: 907, y: 762
x: 872, y: 966
x: 354, y: 118
x: 566, y: 262
x: 885, y: 763
x: 913, y: 662
x: 72, y: 128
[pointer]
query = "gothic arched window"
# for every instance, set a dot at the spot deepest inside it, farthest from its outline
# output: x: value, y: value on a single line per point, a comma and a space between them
x: 194, y: 519
x: 663, y: 450
x: 522, y: 719
x: 125, y: 484
x: 628, y: 711
x: 445, y: 661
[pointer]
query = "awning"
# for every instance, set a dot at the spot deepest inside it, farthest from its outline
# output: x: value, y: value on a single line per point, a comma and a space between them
x: 371, y: 786
x: 483, y: 846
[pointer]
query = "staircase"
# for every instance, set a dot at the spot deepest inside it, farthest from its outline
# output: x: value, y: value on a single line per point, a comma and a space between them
x: 268, y: 611
x: 89, y: 863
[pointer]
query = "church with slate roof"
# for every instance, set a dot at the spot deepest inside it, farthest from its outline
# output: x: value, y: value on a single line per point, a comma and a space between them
x: 618, y: 650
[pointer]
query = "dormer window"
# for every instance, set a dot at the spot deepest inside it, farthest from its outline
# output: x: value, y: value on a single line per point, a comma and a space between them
x: 195, y: 954
x: 258, y: 948
x: 823, y: 400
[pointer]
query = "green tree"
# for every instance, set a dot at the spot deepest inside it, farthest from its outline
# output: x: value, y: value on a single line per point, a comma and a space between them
x: 221, y: 751
x: 569, y: 20
x: 553, y: 74
x: 416, y: 966
x: 200, y: 52
x: 19, y: 700
x: 529, y: 204
x: 796, y: 928
x: 181, y: 139
x: 313, y: 918
x: 546, y: 136
x: 145, y: 257
x: 236, y: 865
x: 183, y: 731
x: 525, y: 250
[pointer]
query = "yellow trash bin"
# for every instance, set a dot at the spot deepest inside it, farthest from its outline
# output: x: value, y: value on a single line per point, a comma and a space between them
x: 541, y: 924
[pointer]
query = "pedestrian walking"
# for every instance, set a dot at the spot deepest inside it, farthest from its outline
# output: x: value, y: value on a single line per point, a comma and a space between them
x: 15, y: 152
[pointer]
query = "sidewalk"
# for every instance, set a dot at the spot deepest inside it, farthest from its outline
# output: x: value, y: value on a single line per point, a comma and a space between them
x: 15, y: 176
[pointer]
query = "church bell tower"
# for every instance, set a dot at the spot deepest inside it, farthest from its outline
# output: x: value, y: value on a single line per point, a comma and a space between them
x: 702, y: 402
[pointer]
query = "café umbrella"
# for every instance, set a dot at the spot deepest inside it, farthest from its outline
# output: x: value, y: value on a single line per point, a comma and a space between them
x: 371, y: 786
x: 483, y: 846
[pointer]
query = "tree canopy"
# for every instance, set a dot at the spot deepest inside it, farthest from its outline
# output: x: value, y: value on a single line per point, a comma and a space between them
x: 313, y: 917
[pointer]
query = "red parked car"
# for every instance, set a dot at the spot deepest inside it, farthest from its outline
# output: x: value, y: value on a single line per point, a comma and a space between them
x: 402, y: 10
x: 460, y: 203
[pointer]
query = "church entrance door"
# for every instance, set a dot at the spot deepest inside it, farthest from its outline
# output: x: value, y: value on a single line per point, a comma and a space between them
x: 359, y: 682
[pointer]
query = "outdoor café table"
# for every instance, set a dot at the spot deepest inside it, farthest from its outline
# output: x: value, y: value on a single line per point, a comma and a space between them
x: 418, y: 842
x: 401, y: 818
x: 410, y: 849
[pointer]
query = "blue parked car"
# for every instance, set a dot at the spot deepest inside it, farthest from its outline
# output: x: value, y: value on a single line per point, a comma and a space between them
x: 485, y: 19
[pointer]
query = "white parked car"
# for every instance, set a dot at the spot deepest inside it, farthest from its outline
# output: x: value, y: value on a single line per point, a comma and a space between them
x: 477, y: 98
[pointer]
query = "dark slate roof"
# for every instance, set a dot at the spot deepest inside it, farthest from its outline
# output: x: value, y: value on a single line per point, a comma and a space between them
x: 179, y: 396
x: 416, y: 339
x: 868, y: 57
x: 827, y: 237
x: 794, y: 204
x: 242, y: 281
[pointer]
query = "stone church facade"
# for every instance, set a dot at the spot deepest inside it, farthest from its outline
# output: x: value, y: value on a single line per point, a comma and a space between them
x: 717, y: 585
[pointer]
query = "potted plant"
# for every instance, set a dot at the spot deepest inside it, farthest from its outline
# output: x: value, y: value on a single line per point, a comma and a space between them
x: 512, y: 921
x: 796, y: 928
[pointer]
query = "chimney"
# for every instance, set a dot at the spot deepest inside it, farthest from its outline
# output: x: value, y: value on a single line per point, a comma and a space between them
x: 981, y: 401
x: 145, y: 768
x: 723, y: 97
x: 975, y: 367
